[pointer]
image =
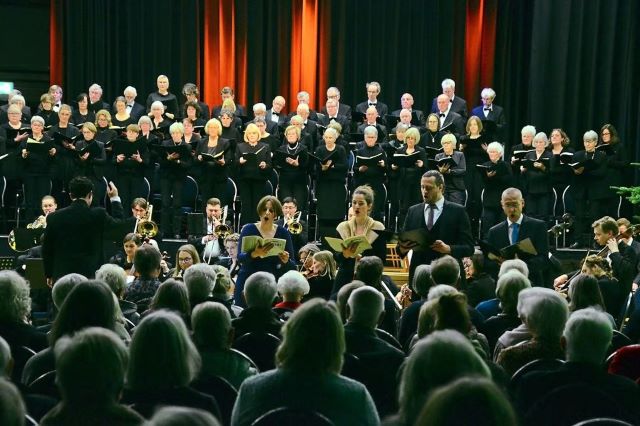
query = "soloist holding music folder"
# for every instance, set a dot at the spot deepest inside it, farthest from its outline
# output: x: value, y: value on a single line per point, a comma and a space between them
x: 419, y: 239
x: 522, y: 248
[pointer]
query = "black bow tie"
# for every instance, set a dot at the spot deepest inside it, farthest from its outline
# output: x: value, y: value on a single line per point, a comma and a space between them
x: 487, y: 109
x: 451, y: 100
x: 275, y: 113
x: 441, y: 114
x: 371, y: 104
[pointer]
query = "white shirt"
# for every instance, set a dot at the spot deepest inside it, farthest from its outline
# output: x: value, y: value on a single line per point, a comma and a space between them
x: 436, y: 213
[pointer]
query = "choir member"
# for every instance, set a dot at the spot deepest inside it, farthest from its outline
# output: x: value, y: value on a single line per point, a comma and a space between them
x: 370, y: 168
x: 12, y: 134
x: 37, y: 153
x: 617, y: 164
x: 82, y: 114
x: 536, y: 168
x: 410, y: 161
x: 103, y: 125
x: 131, y: 158
x: 291, y: 160
x: 168, y: 99
x: 497, y: 177
x: 561, y: 173
x: 453, y: 173
x: 253, y: 159
x: 122, y: 117
x: 474, y: 146
x: 214, y: 158
x: 45, y: 110
x: 191, y: 93
x: 95, y: 99
x: 89, y: 161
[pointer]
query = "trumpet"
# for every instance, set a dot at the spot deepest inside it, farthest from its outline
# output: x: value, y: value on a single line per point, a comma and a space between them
x: 145, y: 226
x: 39, y: 223
x: 293, y: 224
x: 222, y: 230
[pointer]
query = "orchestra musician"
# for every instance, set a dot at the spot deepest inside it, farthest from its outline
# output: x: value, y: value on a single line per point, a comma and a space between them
x: 211, y: 242
x: 230, y: 261
x: 186, y: 257
x: 48, y: 206
x: 321, y: 275
x: 292, y: 221
x: 130, y: 243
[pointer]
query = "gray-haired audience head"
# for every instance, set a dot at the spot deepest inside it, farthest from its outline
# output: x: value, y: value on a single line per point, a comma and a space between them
x: 343, y: 297
x: 200, y: 280
x: 366, y: 305
x: 440, y: 290
x: 516, y: 264
x: 12, y: 408
x: 509, y: 286
x: 438, y: 359
x: 161, y: 339
x: 422, y: 280
x: 182, y: 416
x: 15, y: 303
x: 587, y: 336
x: 63, y: 286
x: 6, y: 361
x: 313, y: 339
x: 260, y: 290
x: 115, y: 277
x: 544, y: 312
x: 91, y: 366
x: 445, y: 270
x: 292, y: 285
x: 211, y: 325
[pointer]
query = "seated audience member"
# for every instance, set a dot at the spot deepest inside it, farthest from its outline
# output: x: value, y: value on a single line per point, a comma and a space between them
x: 343, y: 297
x: 309, y: 361
x: 626, y: 362
x: 15, y: 309
x: 435, y: 361
x: 422, y: 282
x: 89, y: 304
x: 200, y: 280
x: 171, y: 296
x: 12, y: 409
x: 369, y: 271
x: 510, y: 284
x: 491, y: 307
x: 259, y: 295
x: 584, y: 292
x: 292, y: 287
x: 223, y: 290
x: 90, y: 369
x: 544, y: 313
x: 480, y: 286
x: 182, y: 416
x: 116, y: 279
x: 212, y: 334
x: 147, y: 263
x: 469, y: 399
x: 366, y: 308
x: 586, y: 338
x: 59, y: 292
x: 161, y: 340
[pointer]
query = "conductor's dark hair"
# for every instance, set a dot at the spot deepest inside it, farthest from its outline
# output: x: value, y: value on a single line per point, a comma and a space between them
x: 80, y: 187
x: 436, y: 174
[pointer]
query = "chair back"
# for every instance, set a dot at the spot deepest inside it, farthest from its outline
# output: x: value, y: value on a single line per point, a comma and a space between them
x: 535, y: 365
x: 286, y: 416
x: 190, y: 193
x: 223, y: 392
x: 45, y: 385
x: 260, y: 347
x: 20, y: 355
x: 388, y: 337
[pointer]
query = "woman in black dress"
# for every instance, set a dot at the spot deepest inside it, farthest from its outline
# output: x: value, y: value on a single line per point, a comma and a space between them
x: 535, y: 168
x: 474, y: 146
x: 331, y: 191
x: 214, y: 159
x: 192, y: 112
x: 12, y: 134
x: 291, y: 160
x: 229, y: 131
x: 121, y: 118
x: 454, y: 174
x: 64, y: 133
x: 103, y: 125
x: 167, y: 99
x: 410, y: 161
x: 89, y: 160
x: 560, y: 172
x: 131, y: 159
x: 370, y: 168
x: 83, y: 114
x: 617, y: 164
x: 46, y: 112
x: 253, y: 159
x: 497, y: 177
x: 265, y: 137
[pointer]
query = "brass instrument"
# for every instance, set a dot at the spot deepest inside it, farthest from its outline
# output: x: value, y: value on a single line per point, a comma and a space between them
x: 223, y: 230
x: 293, y: 224
x: 145, y: 226
x: 39, y: 223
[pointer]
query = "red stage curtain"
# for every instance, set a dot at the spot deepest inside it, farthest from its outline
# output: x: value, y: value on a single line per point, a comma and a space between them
x: 55, y: 44
x: 480, y: 40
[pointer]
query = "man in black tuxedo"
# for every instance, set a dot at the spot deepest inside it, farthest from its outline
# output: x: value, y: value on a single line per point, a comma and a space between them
x: 331, y: 112
x: 458, y: 105
x: 516, y: 228
x: 56, y: 92
x: 450, y: 121
x: 73, y: 238
x: 227, y: 93
x: 260, y: 110
x: 373, y: 90
x: 95, y: 99
x: 343, y: 109
x: 135, y: 109
x: 304, y: 99
x: 447, y: 222
x: 489, y: 111
x: 371, y: 119
x: 417, y: 116
x: 209, y: 245
x: 276, y: 112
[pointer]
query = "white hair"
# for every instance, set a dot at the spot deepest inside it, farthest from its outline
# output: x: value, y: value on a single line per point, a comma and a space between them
x: 95, y: 86
x: 528, y: 130
x: 259, y: 107
x: 370, y: 130
x: 365, y: 306
x: 200, y: 280
x: 131, y: 90
x: 447, y: 82
x: 15, y: 303
x: 517, y: 264
x: 541, y: 136
x: 293, y: 282
x: 590, y: 135
x: 440, y: 290
x: 260, y: 289
x: 544, y: 311
x: 588, y: 334
x: 63, y: 286
x: 496, y: 146
x: 488, y: 92
x: 114, y: 276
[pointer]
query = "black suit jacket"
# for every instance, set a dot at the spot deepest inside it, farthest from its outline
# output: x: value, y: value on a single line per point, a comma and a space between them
x: 458, y: 105
x: 343, y: 109
x: 380, y: 107
x: 417, y: 117
x: 592, y: 183
x: 137, y: 111
x: 452, y: 227
x: 496, y: 114
x: 535, y: 229
x: 454, y: 123
x: 73, y: 238
x: 282, y: 117
x: 343, y: 120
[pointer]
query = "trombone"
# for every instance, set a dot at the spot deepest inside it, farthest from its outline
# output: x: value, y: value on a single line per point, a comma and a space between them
x: 145, y: 227
x: 222, y: 230
x: 293, y: 224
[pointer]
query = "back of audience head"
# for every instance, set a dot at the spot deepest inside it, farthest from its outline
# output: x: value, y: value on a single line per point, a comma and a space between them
x: 12, y: 408
x: 147, y: 261
x: 516, y: 264
x: 211, y: 325
x: 436, y: 360
x: 451, y: 313
x: 440, y: 290
x: 91, y: 366
x: 343, y: 297
x: 223, y: 282
x: 182, y: 416
x: 6, y: 361
x: 587, y: 336
x: 89, y: 304
x: 544, y: 312
x: 162, y: 339
x: 509, y: 286
x: 313, y: 339
x: 292, y: 286
x: 115, y: 277
x: 422, y: 280
x: 172, y: 295
x: 584, y: 292
x: 427, y: 317
x: 369, y: 271
x: 445, y: 270
x: 15, y: 303
x: 468, y: 398
x: 63, y: 286
x: 260, y: 290
x: 366, y: 307
x: 200, y: 280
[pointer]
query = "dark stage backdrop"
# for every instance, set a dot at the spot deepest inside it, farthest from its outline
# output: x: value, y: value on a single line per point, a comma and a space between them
x: 569, y: 64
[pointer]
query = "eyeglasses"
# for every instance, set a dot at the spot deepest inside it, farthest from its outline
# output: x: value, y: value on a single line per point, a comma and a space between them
x: 185, y: 260
x: 606, y: 134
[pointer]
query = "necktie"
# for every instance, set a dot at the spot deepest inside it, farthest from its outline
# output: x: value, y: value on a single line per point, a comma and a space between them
x: 432, y: 209
x: 515, y: 230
